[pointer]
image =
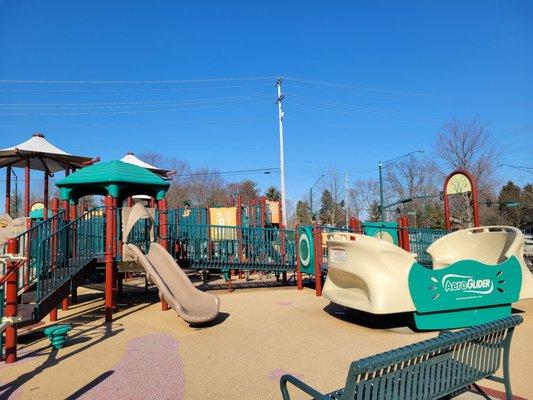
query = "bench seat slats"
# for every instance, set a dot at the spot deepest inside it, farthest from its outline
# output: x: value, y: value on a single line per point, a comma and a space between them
x: 432, y: 368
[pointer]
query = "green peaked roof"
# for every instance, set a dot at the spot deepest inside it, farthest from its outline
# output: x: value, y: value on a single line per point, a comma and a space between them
x: 116, y: 178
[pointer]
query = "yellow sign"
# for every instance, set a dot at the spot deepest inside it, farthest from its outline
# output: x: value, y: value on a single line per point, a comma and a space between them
x: 223, y: 218
x: 274, y: 211
x: 37, y: 206
x: 458, y: 183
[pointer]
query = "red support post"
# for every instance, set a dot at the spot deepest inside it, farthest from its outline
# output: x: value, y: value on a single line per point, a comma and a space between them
x: 27, y: 188
x: 404, y: 229
x: 317, y: 239
x: 109, y: 261
x: 163, y: 234
x: 115, y: 252
x: 130, y: 201
x: 11, y: 304
x: 8, y: 190
x: 299, y: 278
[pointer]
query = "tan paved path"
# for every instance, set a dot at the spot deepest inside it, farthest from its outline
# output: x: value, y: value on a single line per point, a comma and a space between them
x: 262, y: 334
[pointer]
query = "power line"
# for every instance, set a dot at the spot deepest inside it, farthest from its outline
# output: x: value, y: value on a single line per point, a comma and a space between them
x: 93, y: 90
x: 39, y: 106
x: 242, y: 171
x: 365, y: 88
x: 90, y: 125
x: 115, y: 82
x: 134, y: 111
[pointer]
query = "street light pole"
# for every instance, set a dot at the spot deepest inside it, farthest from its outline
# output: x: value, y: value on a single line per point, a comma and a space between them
x: 381, y: 165
x: 311, y: 194
x: 281, y: 153
x: 381, y: 213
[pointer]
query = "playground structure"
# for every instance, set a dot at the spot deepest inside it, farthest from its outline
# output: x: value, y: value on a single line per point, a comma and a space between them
x: 477, y: 274
x: 44, y: 263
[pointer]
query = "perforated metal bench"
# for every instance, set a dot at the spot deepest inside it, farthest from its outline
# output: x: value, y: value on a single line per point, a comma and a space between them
x: 437, y: 368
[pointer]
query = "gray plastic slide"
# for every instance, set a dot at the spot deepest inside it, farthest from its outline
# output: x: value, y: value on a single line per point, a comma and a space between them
x: 175, y: 287
x: 191, y: 304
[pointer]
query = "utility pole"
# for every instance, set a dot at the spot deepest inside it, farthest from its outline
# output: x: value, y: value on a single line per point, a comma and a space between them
x: 281, y: 116
x: 346, y: 199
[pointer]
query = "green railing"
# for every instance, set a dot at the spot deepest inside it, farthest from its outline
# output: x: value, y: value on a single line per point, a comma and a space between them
x: 232, y: 247
x: 64, y: 252
x: 28, y: 242
x: 420, y: 239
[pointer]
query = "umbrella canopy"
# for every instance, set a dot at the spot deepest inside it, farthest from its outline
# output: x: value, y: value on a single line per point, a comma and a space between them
x: 43, y: 156
x: 131, y: 158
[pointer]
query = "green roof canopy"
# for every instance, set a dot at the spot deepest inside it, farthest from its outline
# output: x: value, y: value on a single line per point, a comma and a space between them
x: 116, y: 178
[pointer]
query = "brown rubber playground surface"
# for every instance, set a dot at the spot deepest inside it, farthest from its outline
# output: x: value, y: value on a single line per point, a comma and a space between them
x: 261, y: 334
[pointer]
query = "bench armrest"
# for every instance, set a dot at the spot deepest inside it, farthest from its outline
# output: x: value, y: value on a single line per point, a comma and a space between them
x: 300, y: 385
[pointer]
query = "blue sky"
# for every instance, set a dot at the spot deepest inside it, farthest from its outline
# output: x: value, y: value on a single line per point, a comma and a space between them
x: 363, y: 82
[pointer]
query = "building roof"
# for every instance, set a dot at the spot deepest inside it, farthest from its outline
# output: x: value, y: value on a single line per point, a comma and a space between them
x: 42, y: 155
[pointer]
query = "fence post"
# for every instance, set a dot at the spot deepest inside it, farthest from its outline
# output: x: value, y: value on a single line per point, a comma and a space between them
x: 11, y: 303
x: 317, y: 240
x: 163, y: 234
x: 299, y: 279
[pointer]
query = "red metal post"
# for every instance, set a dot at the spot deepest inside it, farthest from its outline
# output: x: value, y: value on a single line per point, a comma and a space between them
x: 263, y: 210
x: 27, y: 188
x: 115, y: 266
x: 130, y: 201
x: 163, y: 234
x: 109, y: 258
x: 11, y: 304
x: 317, y: 239
x: 8, y: 189
x: 404, y: 229
x: 299, y: 278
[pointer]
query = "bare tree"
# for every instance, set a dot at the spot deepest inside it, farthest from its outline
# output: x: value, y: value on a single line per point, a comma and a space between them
x: 467, y: 145
x: 414, y: 181
x: 361, y: 195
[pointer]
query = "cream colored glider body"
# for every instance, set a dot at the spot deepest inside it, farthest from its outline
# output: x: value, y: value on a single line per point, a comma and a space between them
x: 489, y: 245
x: 175, y: 287
x: 369, y: 274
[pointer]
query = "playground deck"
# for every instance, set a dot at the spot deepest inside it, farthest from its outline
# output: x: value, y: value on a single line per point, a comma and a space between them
x: 260, y: 335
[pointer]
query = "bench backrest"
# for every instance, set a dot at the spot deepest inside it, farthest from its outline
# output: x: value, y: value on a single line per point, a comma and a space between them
x: 434, y: 367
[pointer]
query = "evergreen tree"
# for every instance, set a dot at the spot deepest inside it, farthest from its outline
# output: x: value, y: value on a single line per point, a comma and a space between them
x: 373, y: 212
x: 272, y: 193
x: 510, y: 214
x: 527, y: 206
x: 303, y: 213
x: 327, y: 208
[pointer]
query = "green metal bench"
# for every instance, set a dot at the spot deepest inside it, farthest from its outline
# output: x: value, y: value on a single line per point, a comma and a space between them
x: 432, y: 369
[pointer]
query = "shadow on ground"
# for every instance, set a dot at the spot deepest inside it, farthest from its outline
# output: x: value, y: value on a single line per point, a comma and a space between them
x: 398, y: 321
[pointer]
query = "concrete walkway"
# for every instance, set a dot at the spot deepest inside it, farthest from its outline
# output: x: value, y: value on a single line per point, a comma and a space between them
x: 260, y: 335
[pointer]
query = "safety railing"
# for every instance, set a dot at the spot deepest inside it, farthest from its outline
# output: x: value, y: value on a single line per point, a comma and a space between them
x: 68, y: 249
x: 28, y: 242
x: 232, y: 247
x: 420, y: 239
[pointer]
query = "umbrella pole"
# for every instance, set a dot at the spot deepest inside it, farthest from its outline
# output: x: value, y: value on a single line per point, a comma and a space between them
x: 8, y: 189
x: 27, y: 188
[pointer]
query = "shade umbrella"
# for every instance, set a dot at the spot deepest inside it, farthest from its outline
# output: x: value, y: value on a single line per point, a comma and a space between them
x: 38, y: 154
